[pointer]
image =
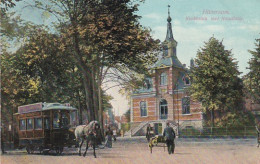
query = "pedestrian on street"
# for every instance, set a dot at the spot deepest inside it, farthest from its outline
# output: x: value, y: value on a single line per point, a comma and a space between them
x: 169, y: 135
x: 109, y: 134
x: 3, y: 137
x: 148, y: 132
x: 258, y: 133
x: 114, y: 134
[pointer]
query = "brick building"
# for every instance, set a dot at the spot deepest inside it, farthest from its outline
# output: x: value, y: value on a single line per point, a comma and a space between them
x: 165, y: 95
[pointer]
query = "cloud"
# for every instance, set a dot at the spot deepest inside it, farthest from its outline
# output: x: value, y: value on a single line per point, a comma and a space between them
x: 153, y: 16
x: 253, y: 28
x: 215, y: 28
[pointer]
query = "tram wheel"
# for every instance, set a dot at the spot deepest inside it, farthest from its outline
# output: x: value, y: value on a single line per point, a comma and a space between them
x: 59, y: 150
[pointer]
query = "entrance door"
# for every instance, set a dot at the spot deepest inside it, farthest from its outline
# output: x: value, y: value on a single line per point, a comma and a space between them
x: 163, y: 109
x: 157, y: 128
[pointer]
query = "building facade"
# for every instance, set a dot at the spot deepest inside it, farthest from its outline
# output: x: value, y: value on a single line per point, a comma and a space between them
x: 165, y: 95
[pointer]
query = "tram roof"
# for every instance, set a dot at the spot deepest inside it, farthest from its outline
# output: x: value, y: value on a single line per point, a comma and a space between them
x: 44, y: 107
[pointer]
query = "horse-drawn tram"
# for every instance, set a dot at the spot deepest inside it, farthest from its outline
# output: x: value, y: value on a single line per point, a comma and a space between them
x: 46, y: 126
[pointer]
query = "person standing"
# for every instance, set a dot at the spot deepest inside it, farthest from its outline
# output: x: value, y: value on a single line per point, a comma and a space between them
x: 109, y: 134
x: 148, y: 132
x: 169, y: 135
x: 258, y: 134
x: 114, y: 134
x: 3, y: 137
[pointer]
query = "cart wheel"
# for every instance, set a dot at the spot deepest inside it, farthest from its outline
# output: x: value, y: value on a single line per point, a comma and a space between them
x: 59, y: 150
x: 30, y: 149
x: 41, y: 149
x: 45, y: 152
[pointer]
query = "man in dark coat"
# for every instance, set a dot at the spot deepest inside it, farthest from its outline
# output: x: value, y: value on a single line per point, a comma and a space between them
x: 258, y: 133
x: 148, y: 132
x: 169, y: 135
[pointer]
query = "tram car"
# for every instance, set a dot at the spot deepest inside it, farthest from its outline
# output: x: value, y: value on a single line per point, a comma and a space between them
x: 46, y: 126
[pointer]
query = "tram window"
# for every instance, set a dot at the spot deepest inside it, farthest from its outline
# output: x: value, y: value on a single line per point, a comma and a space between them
x: 38, y: 123
x: 29, y: 124
x: 56, y: 120
x: 64, y: 120
x: 46, y: 123
x: 22, y: 125
x: 73, y: 118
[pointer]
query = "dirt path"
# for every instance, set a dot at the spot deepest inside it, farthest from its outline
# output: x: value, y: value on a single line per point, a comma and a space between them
x: 136, y: 151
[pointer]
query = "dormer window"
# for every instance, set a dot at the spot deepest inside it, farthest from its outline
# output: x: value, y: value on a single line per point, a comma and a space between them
x: 147, y: 84
x: 163, y: 79
x: 186, y: 80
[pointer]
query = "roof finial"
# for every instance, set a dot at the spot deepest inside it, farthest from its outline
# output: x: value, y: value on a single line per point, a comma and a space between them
x: 169, y: 10
x: 169, y: 19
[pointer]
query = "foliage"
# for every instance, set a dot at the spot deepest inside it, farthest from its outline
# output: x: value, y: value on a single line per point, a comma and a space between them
x: 6, y: 4
x: 127, y: 115
x: 253, y: 84
x: 70, y: 65
x: 101, y: 35
x: 215, y: 80
x: 125, y: 127
x: 236, y: 119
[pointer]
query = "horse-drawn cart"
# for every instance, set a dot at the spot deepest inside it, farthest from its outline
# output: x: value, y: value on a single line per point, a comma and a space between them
x: 46, y: 126
x: 157, y: 141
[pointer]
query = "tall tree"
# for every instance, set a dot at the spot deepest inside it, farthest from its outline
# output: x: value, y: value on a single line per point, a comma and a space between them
x: 103, y: 35
x: 254, y: 73
x: 215, y: 81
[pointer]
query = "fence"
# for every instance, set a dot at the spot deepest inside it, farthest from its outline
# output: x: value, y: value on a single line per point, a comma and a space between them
x: 248, y: 131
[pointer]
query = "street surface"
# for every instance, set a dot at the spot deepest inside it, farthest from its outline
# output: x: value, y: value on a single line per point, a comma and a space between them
x: 136, y: 151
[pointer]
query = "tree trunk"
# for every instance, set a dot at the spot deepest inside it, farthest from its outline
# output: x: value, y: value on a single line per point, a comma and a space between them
x: 80, y: 110
x: 95, y: 95
x: 212, y: 118
x: 86, y: 72
x: 89, y: 99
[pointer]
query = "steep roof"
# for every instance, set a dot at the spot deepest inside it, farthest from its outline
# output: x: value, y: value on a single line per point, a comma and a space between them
x: 168, y: 62
x: 169, y: 45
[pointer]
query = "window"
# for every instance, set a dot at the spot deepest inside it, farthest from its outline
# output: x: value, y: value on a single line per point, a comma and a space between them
x: 163, y: 79
x: 165, y: 50
x: 186, y: 105
x: 56, y: 120
x: 143, y: 108
x: 147, y: 84
x: 29, y: 124
x: 46, y: 123
x: 38, y: 123
x: 64, y: 120
x: 73, y: 118
x: 22, y: 125
x: 186, y: 80
x: 163, y: 109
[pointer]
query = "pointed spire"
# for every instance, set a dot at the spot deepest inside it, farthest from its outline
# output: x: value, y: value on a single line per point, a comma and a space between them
x: 169, y: 35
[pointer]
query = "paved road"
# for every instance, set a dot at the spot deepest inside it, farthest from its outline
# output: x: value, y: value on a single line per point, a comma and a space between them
x: 136, y: 151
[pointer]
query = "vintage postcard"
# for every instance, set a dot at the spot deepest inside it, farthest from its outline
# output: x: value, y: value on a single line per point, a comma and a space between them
x: 130, y: 81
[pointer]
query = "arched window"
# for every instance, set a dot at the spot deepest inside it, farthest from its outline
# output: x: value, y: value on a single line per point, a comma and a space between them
x: 186, y: 105
x: 186, y: 80
x: 143, y: 109
x: 163, y: 109
x: 163, y: 79
x: 147, y: 84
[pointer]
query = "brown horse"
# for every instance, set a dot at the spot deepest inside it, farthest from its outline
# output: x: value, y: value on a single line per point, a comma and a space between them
x: 89, y: 133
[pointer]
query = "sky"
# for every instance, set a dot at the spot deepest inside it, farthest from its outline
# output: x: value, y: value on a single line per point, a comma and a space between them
x: 236, y: 22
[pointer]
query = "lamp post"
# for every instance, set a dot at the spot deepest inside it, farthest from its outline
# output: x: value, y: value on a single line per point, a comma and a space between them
x: 177, y: 107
